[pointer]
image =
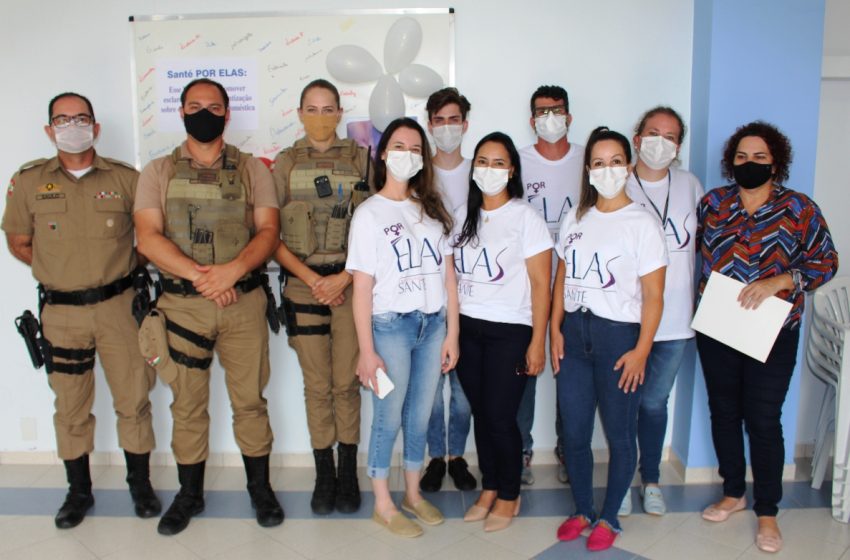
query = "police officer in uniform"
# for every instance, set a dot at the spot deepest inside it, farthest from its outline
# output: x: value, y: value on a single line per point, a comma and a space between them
x: 319, y: 181
x: 207, y: 216
x: 69, y: 218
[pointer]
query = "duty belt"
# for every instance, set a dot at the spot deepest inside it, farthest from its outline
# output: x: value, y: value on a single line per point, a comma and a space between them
x: 86, y: 297
x: 185, y: 288
x: 326, y: 269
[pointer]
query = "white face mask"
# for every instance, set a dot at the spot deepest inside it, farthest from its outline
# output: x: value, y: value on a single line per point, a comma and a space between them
x: 490, y: 180
x: 74, y: 139
x: 657, y: 152
x: 609, y: 181
x: 403, y: 165
x: 448, y: 137
x: 551, y: 127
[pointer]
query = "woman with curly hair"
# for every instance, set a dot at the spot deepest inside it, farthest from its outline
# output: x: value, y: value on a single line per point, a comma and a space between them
x: 405, y: 312
x: 777, y: 242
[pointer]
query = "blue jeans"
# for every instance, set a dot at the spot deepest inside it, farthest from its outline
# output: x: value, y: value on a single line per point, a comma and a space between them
x: 459, y: 419
x: 592, y: 345
x: 409, y: 344
x: 661, y: 367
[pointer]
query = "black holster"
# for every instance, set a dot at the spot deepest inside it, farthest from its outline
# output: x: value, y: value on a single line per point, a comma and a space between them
x: 30, y: 331
x: 142, y: 300
x: 271, y: 304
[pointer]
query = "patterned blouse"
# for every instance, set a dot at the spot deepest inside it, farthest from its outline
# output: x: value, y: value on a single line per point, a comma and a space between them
x: 787, y: 233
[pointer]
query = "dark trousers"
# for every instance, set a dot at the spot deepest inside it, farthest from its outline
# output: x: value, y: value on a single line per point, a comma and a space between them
x: 744, y: 391
x: 489, y: 355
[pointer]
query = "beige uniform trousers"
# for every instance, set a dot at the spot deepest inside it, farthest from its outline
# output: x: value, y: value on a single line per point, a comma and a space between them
x: 242, y: 343
x: 108, y: 326
x: 328, y: 362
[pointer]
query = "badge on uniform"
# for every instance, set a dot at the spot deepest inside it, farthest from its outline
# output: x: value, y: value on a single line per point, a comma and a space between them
x: 49, y: 188
x: 108, y: 194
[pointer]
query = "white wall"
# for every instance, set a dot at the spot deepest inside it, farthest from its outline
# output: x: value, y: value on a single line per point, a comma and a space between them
x: 831, y: 185
x: 615, y: 57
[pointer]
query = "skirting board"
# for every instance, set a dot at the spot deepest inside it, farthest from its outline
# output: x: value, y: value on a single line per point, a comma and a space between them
x: 708, y: 475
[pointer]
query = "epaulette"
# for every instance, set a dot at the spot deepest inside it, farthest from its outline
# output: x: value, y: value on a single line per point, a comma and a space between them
x: 33, y: 163
x: 121, y: 163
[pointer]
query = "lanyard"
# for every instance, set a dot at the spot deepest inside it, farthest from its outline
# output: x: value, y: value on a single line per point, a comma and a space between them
x: 654, y: 207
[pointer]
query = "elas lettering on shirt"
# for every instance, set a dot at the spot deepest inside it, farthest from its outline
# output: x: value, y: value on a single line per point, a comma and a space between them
x: 414, y: 257
x: 549, y: 206
x: 678, y: 235
x: 585, y: 271
x: 477, y: 265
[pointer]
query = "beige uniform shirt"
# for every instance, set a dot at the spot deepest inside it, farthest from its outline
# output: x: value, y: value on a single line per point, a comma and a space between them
x: 153, y: 182
x: 82, y: 229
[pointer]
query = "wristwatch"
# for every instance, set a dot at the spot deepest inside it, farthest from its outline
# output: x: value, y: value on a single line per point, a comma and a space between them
x: 797, y: 278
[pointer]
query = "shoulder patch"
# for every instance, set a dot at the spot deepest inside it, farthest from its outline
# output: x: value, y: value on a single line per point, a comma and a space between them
x: 121, y: 163
x: 33, y: 163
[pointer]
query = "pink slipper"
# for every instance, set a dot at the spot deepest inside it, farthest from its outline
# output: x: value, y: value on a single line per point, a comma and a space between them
x: 718, y: 515
x: 571, y: 528
x: 601, y: 538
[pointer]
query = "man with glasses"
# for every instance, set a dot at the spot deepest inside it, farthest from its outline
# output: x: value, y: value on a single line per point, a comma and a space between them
x: 320, y: 180
x: 69, y: 218
x: 206, y: 215
x: 551, y: 172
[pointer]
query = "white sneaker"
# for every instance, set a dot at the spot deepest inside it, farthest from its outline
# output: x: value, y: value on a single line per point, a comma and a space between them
x: 653, y: 500
x: 626, y: 506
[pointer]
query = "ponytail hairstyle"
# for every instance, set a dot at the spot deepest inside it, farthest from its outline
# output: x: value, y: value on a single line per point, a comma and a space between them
x: 469, y: 232
x: 422, y: 184
x: 589, y: 196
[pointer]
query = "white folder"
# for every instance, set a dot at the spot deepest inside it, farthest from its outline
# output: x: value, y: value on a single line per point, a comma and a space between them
x: 750, y: 331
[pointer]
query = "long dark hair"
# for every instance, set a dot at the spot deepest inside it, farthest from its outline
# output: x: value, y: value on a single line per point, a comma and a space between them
x: 589, y: 196
x: 475, y: 200
x: 422, y: 183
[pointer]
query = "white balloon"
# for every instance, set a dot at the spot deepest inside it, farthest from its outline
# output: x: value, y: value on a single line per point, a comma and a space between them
x: 386, y: 103
x: 352, y: 64
x: 419, y: 81
x: 402, y: 44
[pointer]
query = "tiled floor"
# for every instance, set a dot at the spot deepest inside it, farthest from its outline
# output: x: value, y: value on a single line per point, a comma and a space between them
x: 29, y: 496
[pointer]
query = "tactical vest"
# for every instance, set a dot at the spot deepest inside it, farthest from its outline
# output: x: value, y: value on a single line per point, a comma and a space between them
x: 206, y: 210
x: 315, y: 228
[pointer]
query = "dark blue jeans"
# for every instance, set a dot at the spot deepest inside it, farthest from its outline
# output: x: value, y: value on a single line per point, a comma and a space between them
x: 489, y: 355
x: 592, y: 345
x: 743, y: 392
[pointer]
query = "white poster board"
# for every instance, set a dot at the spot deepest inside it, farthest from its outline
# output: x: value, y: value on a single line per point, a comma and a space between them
x: 265, y: 60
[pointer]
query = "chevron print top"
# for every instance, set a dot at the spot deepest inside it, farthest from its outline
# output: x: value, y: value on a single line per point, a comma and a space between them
x: 788, y: 232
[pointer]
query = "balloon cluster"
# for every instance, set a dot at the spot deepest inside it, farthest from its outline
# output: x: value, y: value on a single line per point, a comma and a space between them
x: 354, y: 64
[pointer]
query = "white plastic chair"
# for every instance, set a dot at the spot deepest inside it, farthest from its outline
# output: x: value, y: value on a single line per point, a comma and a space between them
x: 826, y: 359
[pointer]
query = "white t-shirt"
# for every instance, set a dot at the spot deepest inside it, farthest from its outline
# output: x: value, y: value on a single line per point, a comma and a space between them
x: 493, y: 282
x: 403, y: 249
x: 552, y: 187
x: 680, y: 230
x: 605, y: 254
x: 453, y: 185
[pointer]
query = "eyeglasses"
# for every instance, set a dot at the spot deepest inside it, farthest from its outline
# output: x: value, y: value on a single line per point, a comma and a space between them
x: 61, y: 121
x: 558, y: 110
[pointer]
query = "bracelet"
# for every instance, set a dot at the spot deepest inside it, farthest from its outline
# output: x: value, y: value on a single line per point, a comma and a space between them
x: 797, y: 278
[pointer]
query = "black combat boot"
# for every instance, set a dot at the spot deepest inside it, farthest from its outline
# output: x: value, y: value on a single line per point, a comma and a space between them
x: 347, y: 489
x: 263, y: 500
x: 138, y: 478
x: 324, y: 493
x: 188, y: 502
x: 79, y: 498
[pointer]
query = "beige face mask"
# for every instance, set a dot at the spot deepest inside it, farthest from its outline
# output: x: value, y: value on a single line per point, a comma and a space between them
x: 320, y: 127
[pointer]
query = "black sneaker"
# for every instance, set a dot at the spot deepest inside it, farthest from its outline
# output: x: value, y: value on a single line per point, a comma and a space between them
x: 459, y: 471
x: 432, y: 480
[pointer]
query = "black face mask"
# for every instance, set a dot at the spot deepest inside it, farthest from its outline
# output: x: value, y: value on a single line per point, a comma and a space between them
x: 751, y: 174
x: 203, y: 126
